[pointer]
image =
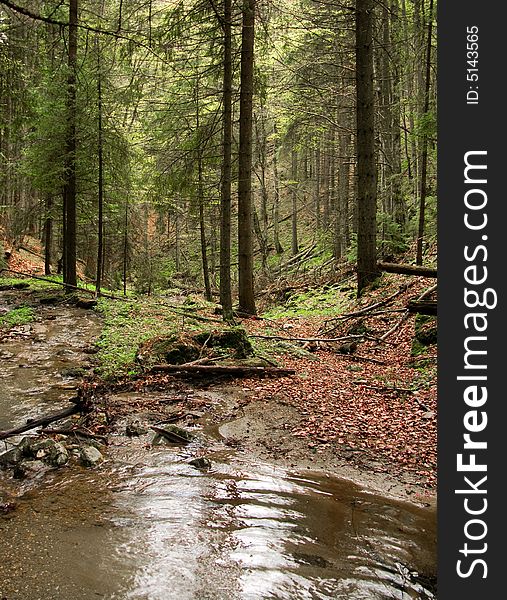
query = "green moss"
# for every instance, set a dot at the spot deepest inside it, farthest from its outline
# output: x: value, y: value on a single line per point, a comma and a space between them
x: 174, y: 350
x: 17, y: 316
x: 315, y: 302
x: 127, y: 325
x: 425, y: 334
x: 234, y: 341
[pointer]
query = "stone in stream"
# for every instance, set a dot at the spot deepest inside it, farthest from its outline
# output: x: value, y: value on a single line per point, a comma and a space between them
x: 47, y: 450
x: 16, y: 454
x: 201, y: 463
x: 172, y: 434
x: 58, y: 455
x: 90, y: 456
x: 28, y: 468
x: 135, y: 429
x: 11, y: 457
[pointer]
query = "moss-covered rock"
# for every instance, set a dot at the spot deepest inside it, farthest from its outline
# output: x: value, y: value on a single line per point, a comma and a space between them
x: 233, y: 341
x: 183, y: 348
x: 425, y: 334
x: 173, y: 349
x: 359, y: 328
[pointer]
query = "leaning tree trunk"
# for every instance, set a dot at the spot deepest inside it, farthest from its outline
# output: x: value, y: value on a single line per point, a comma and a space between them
x: 69, y: 189
x: 245, y: 233
x: 366, y: 168
x: 294, y: 216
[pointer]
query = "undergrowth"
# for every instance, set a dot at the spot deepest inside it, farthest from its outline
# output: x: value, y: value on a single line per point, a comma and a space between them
x: 129, y: 324
x: 17, y: 316
x: 316, y: 302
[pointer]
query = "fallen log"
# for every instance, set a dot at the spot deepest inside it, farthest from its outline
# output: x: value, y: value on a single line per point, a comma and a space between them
x: 423, y: 308
x: 346, y: 338
x: 235, y: 370
x: 42, y: 421
x: 407, y: 269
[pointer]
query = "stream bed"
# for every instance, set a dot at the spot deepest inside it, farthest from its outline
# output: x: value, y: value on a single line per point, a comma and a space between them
x: 148, y: 525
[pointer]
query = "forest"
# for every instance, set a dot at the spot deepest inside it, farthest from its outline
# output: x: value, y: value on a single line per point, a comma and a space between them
x: 147, y: 143
x: 218, y: 299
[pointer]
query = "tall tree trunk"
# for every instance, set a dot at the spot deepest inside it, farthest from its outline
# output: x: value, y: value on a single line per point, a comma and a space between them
x: 69, y: 193
x: 400, y: 215
x: 245, y: 241
x: 325, y: 182
x: 344, y: 186
x: 424, y: 144
x: 317, y: 186
x: 48, y: 235
x: 100, y: 230
x: 225, y: 195
x: 276, y: 199
x: 366, y: 168
x: 125, y: 245
x: 411, y: 105
x: 202, y: 228
x: 294, y: 216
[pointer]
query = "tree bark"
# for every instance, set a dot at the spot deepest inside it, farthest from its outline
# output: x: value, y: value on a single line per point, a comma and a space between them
x: 424, y: 143
x: 245, y: 229
x: 366, y: 168
x: 225, y: 193
x: 236, y: 370
x: 100, y: 225
x: 69, y: 190
x: 48, y: 235
x: 407, y: 269
x: 294, y: 216
x: 41, y: 421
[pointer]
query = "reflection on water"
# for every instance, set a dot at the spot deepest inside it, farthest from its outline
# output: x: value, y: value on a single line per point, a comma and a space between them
x: 157, y: 528
x: 253, y: 531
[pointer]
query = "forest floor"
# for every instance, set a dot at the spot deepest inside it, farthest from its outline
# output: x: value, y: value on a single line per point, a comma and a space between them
x: 361, y: 404
x: 367, y: 413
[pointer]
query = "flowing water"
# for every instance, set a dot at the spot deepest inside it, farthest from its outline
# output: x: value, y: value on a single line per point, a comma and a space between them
x: 148, y: 525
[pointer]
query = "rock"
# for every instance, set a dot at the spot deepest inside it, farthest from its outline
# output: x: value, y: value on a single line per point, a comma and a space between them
x: 348, y: 348
x: 430, y: 414
x: 28, y: 468
x: 49, y: 300
x: 90, y: 456
x: 86, y: 303
x: 50, y: 451
x: 202, y: 463
x: 135, y: 429
x: 72, y: 372
x: 58, y: 456
x: 6, y: 355
x: 11, y: 457
x: 16, y: 454
x: 173, y: 434
x: 7, y: 507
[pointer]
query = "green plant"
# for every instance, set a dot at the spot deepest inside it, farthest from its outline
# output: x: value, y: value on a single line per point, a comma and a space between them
x: 315, y: 302
x: 17, y: 316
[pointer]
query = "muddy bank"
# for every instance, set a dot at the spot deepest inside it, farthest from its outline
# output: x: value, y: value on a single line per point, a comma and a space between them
x: 260, y: 429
